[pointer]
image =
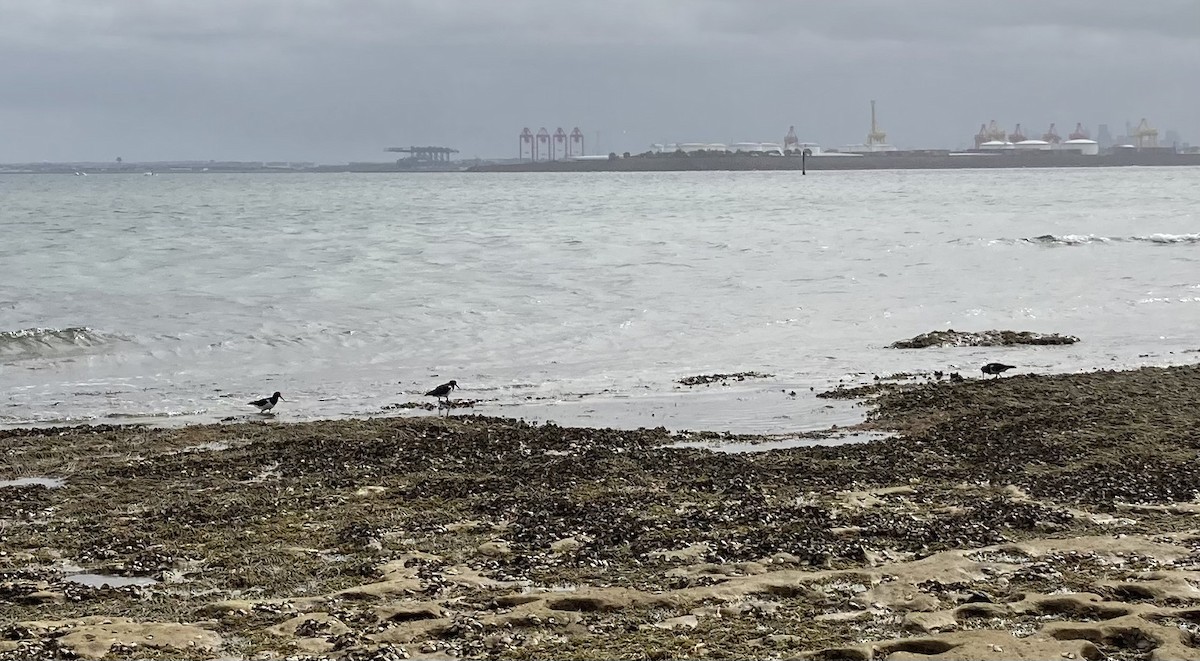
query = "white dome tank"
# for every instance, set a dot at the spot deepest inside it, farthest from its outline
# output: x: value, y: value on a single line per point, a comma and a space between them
x: 1085, y: 147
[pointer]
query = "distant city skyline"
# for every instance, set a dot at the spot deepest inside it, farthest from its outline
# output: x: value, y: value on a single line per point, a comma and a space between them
x: 333, y: 82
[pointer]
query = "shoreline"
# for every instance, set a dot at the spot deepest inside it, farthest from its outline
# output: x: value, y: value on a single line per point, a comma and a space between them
x: 1024, y: 517
x: 943, y: 160
x: 827, y: 162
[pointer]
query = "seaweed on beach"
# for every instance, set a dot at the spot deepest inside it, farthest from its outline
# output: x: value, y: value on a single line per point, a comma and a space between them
x: 858, y: 392
x: 707, y: 379
x: 485, y: 537
x: 988, y: 338
x: 431, y: 406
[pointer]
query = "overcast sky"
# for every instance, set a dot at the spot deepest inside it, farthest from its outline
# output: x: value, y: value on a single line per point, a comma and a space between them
x: 338, y: 80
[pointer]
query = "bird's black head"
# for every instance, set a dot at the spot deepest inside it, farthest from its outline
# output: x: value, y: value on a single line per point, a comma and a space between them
x: 277, y: 395
x: 454, y: 384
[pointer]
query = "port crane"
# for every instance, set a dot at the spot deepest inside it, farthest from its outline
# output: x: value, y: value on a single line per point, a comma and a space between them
x: 989, y: 133
x: 1146, y: 136
x: 425, y: 154
x: 982, y: 136
x: 876, y: 136
x: 1017, y: 135
x: 1051, y: 136
x: 1080, y: 133
x: 791, y: 140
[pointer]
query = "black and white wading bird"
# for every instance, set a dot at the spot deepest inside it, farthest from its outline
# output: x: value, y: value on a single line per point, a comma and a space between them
x: 267, y: 403
x: 996, y: 368
x: 442, y: 392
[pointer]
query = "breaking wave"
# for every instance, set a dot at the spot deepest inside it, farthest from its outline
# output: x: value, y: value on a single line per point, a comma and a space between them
x: 50, y: 342
x: 1085, y: 239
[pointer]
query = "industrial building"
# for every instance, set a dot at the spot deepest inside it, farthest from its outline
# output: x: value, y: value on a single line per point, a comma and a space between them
x: 876, y: 140
x: 1081, y: 146
x: 994, y: 148
x: 992, y: 139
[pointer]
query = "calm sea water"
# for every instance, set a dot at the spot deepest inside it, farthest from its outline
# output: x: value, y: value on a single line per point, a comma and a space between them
x: 579, y: 298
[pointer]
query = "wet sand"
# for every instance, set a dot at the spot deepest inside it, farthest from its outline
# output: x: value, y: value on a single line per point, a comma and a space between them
x: 1028, y: 517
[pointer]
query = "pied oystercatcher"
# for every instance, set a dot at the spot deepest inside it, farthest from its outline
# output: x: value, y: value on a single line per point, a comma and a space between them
x: 443, y: 392
x: 996, y: 368
x: 267, y: 403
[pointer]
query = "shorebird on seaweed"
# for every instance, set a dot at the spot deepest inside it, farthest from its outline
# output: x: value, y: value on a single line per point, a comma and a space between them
x: 996, y: 368
x: 267, y: 403
x: 442, y: 392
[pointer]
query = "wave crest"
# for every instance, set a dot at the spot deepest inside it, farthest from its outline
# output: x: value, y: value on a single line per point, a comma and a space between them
x: 1085, y: 239
x: 48, y: 342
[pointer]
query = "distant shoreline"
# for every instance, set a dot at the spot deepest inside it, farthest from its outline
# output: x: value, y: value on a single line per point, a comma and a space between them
x: 846, y: 162
x: 657, y: 163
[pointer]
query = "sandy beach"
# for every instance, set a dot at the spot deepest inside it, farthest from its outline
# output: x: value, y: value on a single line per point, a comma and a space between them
x: 1026, y: 517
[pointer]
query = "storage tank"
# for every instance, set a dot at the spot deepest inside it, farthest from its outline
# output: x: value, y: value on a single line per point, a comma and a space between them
x: 746, y: 146
x: 690, y: 147
x: 1032, y: 145
x: 1085, y: 147
x: 993, y: 145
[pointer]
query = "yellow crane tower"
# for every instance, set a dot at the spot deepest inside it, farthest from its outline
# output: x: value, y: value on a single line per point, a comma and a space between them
x: 875, y: 137
x: 1146, y: 136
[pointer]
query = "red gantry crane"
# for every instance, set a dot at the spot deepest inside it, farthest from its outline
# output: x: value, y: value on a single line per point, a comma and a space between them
x: 525, y: 145
x: 559, y: 145
x: 575, y: 146
x: 541, y: 141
